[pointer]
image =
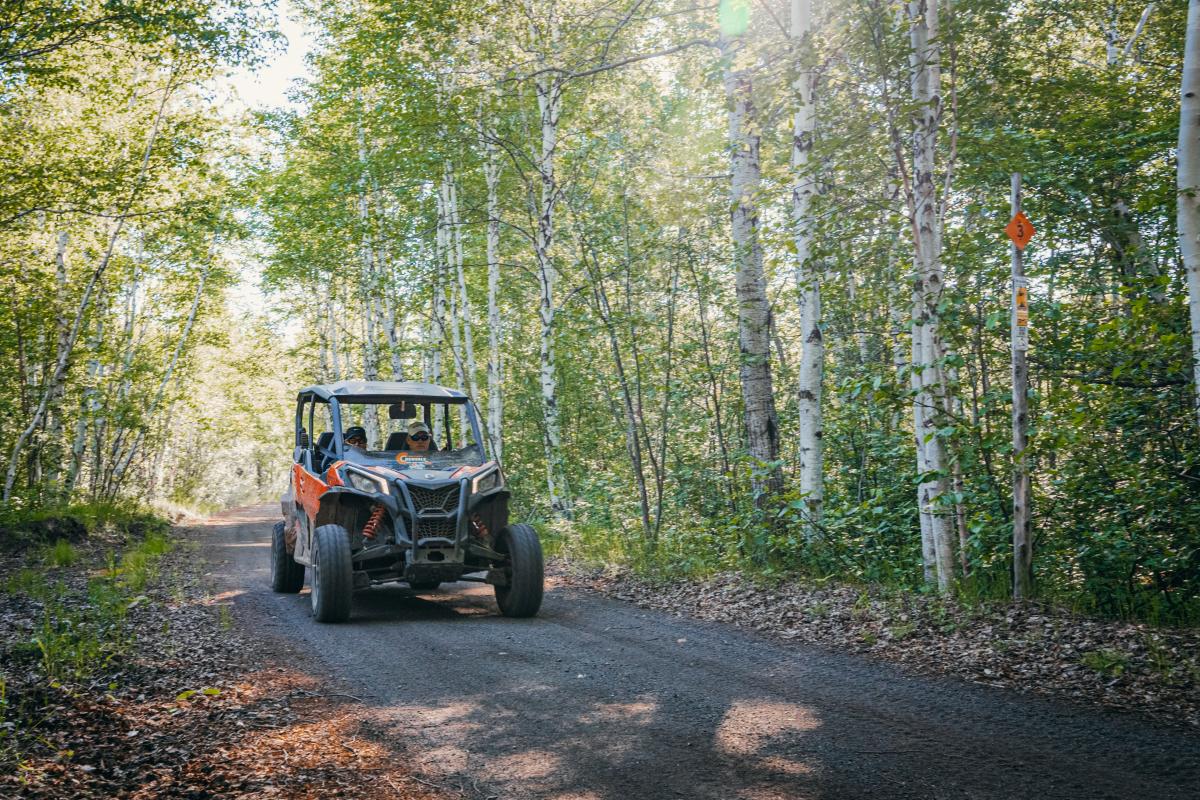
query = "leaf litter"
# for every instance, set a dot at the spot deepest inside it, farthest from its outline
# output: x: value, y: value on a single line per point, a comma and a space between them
x: 189, y: 707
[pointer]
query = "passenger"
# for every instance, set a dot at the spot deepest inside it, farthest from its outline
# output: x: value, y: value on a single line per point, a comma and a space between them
x: 356, y: 436
x: 418, y: 438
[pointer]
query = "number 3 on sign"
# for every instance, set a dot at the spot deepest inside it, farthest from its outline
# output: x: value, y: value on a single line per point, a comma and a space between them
x: 1020, y: 230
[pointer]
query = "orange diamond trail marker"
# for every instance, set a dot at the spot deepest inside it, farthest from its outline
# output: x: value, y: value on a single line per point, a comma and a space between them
x: 1020, y: 230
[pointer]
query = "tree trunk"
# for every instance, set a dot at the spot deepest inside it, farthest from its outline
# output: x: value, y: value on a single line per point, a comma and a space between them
x: 754, y: 311
x: 451, y: 267
x: 495, y: 407
x: 926, y: 95
x: 1188, y: 181
x: 369, y: 289
x: 464, y: 298
x: 660, y: 474
x: 633, y: 446
x: 711, y: 374
x: 1021, y: 536
x: 808, y: 278
x: 549, y: 96
x: 925, y: 515
x: 54, y: 430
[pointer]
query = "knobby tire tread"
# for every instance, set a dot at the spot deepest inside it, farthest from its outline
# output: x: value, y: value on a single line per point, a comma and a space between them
x: 287, y: 577
x: 331, y: 600
x: 523, y: 596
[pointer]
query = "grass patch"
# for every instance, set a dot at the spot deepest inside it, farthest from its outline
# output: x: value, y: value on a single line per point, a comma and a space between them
x: 60, y: 554
x: 24, y: 528
x: 1109, y: 663
x: 81, y: 628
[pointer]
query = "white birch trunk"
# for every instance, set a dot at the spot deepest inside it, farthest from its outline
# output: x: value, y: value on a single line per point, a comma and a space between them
x: 318, y: 322
x: 1188, y: 181
x: 451, y: 268
x: 54, y: 430
x: 388, y: 321
x: 466, y: 319
x: 87, y: 408
x: 808, y: 278
x: 549, y: 96
x: 334, y: 354
x: 495, y: 409
x: 370, y: 291
x: 754, y: 315
x: 437, y: 327
x: 926, y: 95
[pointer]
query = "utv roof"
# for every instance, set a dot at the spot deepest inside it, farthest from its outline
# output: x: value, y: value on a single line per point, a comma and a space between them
x: 383, y: 392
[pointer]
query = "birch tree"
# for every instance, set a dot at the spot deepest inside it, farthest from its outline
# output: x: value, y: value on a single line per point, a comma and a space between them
x: 808, y: 279
x: 754, y: 311
x: 925, y: 60
x: 1188, y: 183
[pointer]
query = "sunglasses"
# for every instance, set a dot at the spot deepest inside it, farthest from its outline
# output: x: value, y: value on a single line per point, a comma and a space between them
x: 420, y: 437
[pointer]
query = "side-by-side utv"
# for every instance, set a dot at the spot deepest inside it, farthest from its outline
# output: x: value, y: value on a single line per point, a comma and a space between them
x: 422, y: 512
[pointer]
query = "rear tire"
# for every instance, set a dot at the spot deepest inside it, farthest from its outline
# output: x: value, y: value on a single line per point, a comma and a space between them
x: 332, y: 574
x: 526, y: 571
x: 287, y: 577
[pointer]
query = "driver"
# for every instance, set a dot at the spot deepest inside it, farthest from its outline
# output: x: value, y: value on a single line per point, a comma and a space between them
x: 356, y: 436
x: 418, y: 437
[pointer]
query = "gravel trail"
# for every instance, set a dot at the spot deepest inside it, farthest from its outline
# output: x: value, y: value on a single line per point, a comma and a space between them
x: 597, y: 699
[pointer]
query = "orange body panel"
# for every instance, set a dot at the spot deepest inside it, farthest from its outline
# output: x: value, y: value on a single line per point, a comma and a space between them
x: 309, y: 489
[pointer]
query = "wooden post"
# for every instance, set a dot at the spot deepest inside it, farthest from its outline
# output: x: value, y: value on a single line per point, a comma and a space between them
x: 1022, y: 544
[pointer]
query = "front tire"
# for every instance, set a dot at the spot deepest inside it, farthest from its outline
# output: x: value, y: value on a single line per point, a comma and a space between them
x: 287, y: 577
x: 332, y: 574
x: 526, y: 571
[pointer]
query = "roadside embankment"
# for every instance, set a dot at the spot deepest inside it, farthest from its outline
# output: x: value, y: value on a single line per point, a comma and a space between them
x: 123, y: 675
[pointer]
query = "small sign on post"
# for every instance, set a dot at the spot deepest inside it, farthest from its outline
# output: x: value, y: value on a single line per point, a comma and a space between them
x: 1021, y: 310
x: 1020, y: 230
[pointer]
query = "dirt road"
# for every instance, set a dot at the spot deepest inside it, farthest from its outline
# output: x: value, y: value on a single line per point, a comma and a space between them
x: 597, y: 699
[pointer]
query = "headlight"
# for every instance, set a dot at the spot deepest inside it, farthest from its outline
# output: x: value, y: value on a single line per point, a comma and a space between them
x: 486, y: 482
x: 365, y: 481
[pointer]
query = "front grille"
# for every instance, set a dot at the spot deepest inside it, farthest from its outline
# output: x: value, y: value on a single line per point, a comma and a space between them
x: 440, y: 526
x: 444, y: 498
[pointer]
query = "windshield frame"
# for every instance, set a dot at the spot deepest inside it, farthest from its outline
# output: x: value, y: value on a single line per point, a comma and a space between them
x: 335, y: 404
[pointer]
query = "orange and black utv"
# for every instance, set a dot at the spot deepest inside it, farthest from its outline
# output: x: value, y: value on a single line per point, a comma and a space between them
x: 423, y: 512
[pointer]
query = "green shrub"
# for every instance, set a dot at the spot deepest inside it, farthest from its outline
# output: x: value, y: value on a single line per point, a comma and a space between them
x: 1109, y: 663
x: 60, y: 554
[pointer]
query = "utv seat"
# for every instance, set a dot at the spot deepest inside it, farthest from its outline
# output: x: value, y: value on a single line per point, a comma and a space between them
x: 324, y: 454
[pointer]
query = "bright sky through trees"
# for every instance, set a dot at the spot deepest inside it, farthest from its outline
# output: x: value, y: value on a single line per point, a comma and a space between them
x: 267, y: 86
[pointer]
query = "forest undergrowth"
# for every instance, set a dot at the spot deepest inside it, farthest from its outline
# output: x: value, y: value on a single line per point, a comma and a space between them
x: 122, y: 675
